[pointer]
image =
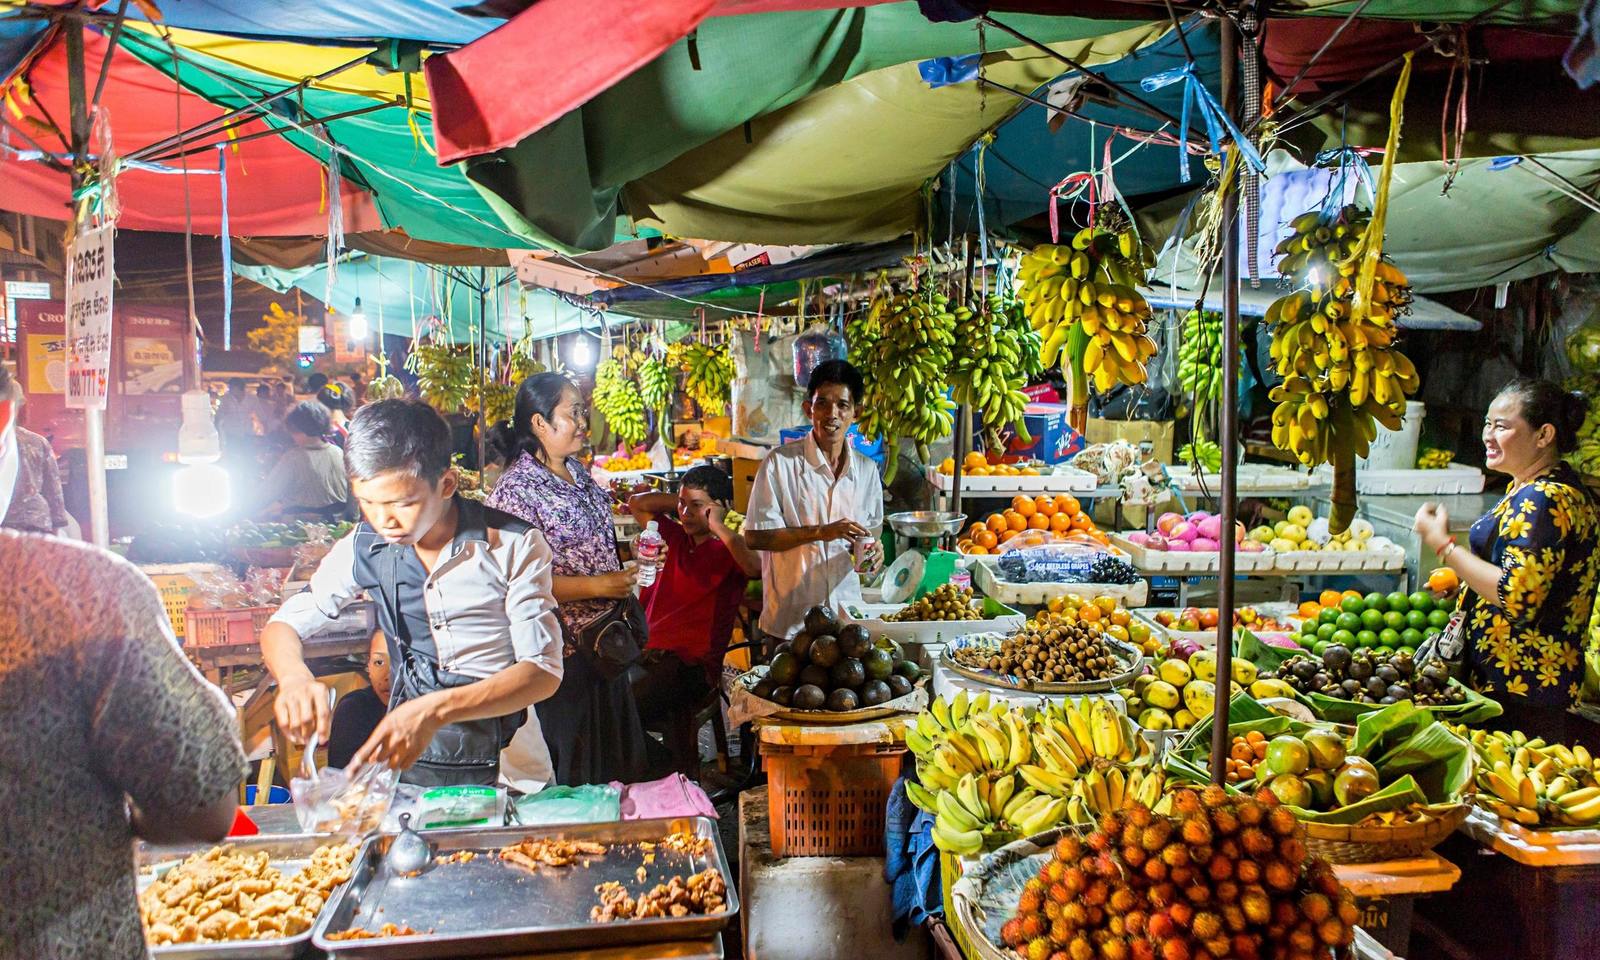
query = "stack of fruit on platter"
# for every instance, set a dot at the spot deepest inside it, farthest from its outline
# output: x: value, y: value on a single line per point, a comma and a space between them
x: 1223, y: 877
x: 1180, y: 691
x: 1199, y: 532
x: 944, y: 602
x: 1204, y: 620
x: 622, y: 460
x: 1312, y: 772
x: 1395, y: 621
x: 834, y: 666
x: 1032, y: 521
x: 1534, y: 783
x: 990, y: 773
x: 1378, y: 676
x: 976, y: 464
x: 1068, y: 646
x: 1302, y: 532
x: 1120, y: 624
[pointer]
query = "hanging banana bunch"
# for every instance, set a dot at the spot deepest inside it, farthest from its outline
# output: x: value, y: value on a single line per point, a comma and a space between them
x: 710, y: 372
x: 863, y: 332
x: 618, y: 400
x: 657, y: 379
x: 1333, y: 337
x: 444, y: 374
x: 996, y: 351
x: 384, y: 386
x: 1200, y: 355
x: 500, y: 395
x: 907, y: 372
x: 1088, y: 287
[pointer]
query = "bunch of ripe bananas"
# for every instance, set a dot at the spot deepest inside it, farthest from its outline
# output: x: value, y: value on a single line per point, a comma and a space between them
x: 995, y: 354
x: 1087, y: 288
x: 710, y: 370
x: 499, y: 398
x: 1342, y: 375
x: 444, y: 374
x: 1532, y: 782
x: 618, y: 400
x: 1200, y: 355
x: 989, y: 773
x: 909, y: 340
x: 1433, y: 458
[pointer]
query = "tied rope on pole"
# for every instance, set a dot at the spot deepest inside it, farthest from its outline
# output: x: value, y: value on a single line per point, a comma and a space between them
x: 1072, y: 187
x: 1217, y: 121
x: 1250, y: 72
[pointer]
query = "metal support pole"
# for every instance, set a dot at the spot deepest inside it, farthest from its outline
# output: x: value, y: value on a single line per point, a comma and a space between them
x: 1229, y: 428
x: 483, y: 362
x: 94, y: 435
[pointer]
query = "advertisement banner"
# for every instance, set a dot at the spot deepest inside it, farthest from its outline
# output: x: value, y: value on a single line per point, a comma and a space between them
x: 90, y: 272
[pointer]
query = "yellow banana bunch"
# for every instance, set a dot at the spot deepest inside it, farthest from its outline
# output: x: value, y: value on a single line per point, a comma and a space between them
x: 1342, y: 374
x: 617, y: 398
x: 1103, y: 791
x: 1533, y: 782
x: 904, y: 349
x: 996, y: 352
x: 1088, y: 286
x: 710, y: 370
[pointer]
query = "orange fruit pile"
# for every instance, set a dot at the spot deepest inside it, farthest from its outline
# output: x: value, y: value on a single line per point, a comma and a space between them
x: 977, y: 465
x: 1036, y: 520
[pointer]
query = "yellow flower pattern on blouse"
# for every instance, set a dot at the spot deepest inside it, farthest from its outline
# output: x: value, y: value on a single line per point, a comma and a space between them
x: 1528, y: 641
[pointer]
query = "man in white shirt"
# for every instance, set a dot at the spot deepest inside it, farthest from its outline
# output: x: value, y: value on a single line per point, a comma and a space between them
x: 813, y: 499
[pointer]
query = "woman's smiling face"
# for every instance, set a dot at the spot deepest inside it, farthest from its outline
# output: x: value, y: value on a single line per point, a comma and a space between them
x: 1511, y: 443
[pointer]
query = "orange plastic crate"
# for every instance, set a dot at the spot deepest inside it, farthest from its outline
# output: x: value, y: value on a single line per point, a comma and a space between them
x: 235, y: 627
x: 829, y: 801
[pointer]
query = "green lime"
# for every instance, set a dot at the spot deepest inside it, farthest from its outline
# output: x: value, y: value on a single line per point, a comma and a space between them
x: 1348, y: 622
x: 1351, y: 605
x: 1388, y: 637
x: 1344, y: 638
x: 1398, y: 602
x: 1306, y: 640
x: 1431, y: 632
x: 1394, y: 620
x: 1309, y: 626
x: 1422, y: 600
x: 1410, y: 637
x: 1329, y: 615
x: 1438, y: 618
x: 1320, y: 647
x: 1372, y: 619
x: 1366, y: 638
x: 1373, y: 601
x: 1326, y: 631
x: 1416, y: 620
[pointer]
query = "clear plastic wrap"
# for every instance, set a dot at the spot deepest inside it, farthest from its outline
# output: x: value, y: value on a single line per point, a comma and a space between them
x: 335, y: 802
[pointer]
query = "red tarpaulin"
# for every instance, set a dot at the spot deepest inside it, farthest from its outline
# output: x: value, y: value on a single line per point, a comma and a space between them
x: 274, y: 189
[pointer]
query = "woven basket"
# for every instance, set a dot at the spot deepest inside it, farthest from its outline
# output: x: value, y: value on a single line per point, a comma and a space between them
x: 1342, y: 843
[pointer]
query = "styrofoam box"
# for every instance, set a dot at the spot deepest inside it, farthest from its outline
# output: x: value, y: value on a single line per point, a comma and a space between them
x: 870, y: 616
x: 1169, y: 562
x: 1058, y: 480
x: 1456, y: 478
x: 1253, y: 478
x: 1038, y: 594
x: 1377, y: 560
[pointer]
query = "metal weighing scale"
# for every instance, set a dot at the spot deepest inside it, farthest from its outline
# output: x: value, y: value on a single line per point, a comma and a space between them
x: 919, y: 563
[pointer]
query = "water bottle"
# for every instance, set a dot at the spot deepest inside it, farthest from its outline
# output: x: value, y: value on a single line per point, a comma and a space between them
x: 647, y: 549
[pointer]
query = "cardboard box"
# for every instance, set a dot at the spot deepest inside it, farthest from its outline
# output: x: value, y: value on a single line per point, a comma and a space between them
x: 1159, y: 433
x: 1054, y: 440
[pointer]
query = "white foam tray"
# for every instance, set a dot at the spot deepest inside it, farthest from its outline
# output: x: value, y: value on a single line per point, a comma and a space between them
x: 1456, y: 478
x: 1170, y: 562
x: 1378, y: 560
x: 1038, y: 594
x: 1253, y: 478
x: 1058, y: 480
x: 870, y: 616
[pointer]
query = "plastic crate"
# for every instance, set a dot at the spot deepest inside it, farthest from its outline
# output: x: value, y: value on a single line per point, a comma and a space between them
x: 829, y: 801
x: 235, y: 627
x: 174, y: 581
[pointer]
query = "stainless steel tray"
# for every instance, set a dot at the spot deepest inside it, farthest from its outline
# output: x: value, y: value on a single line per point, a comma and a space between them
x: 486, y: 908
x: 288, y: 852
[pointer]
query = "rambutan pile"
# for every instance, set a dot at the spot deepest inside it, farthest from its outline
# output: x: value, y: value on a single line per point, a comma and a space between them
x: 1224, y: 878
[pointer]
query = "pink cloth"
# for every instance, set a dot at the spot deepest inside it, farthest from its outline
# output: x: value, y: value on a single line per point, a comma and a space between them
x: 671, y: 796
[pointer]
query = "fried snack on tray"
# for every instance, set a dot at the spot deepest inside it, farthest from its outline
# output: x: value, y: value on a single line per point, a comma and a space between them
x: 387, y: 930
x: 531, y: 853
x: 702, y: 893
x: 223, y: 895
x: 460, y: 856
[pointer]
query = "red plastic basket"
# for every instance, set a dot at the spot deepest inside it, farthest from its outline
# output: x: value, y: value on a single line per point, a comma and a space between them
x: 829, y: 801
x: 234, y: 627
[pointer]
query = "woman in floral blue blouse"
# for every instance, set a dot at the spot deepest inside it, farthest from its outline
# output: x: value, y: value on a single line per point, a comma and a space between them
x: 1530, y: 568
x: 591, y: 725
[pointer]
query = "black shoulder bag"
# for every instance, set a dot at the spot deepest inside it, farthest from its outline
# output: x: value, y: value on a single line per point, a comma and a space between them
x: 615, y: 641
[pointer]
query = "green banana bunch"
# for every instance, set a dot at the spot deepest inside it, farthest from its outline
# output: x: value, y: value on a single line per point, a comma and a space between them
x: 657, y: 380
x: 1202, y: 454
x: 906, y: 369
x: 444, y: 374
x: 710, y: 372
x: 1200, y: 355
x: 995, y: 353
x: 618, y: 400
x: 1342, y: 374
x: 384, y: 386
x: 1088, y: 286
x: 1532, y: 782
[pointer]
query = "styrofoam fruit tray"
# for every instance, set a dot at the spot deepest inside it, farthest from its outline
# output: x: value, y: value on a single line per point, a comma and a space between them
x: 1456, y: 478
x: 1176, y: 561
x: 1253, y: 478
x: 1377, y: 558
x: 1050, y: 480
x: 870, y: 616
x: 1038, y: 594
x: 1283, y: 612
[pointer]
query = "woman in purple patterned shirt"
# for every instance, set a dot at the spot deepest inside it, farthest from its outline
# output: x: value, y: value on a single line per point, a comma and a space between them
x: 591, y: 724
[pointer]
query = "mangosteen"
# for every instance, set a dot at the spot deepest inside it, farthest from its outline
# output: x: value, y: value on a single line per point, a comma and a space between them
x: 1351, y: 687
x: 1336, y: 658
x: 1360, y: 669
x: 1321, y: 679
x: 1386, y: 700
x: 1400, y: 691
x: 1387, y: 673
x: 1376, y: 688
x: 1423, y: 686
x: 1305, y: 670
x: 1403, y: 663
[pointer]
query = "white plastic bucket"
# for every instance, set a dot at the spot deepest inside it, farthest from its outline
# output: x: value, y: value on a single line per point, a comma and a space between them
x: 1397, y: 449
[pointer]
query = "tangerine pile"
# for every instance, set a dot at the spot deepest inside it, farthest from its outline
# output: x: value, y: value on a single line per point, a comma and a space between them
x: 1036, y: 520
x: 977, y: 465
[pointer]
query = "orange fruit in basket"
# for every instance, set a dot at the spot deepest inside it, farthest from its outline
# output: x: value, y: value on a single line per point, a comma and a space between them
x: 1089, y: 613
x: 1330, y: 598
x: 1100, y: 538
x: 1443, y: 580
x: 1045, y: 505
x: 1016, y: 520
x: 1121, y: 617
x: 1309, y: 609
x: 974, y: 460
x: 1030, y: 471
x: 1118, y: 631
x: 1060, y: 522
x: 985, y: 539
x: 1081, y: 521
x: 1007, y: 535
x: 1024, y: 505
x: 1038, y: 521
x: 977, y: 550
x: 1350, y: 595
x: 976, y: 529
x: 1068, y: 504
x: 997, y: 523
x: 979, y: 472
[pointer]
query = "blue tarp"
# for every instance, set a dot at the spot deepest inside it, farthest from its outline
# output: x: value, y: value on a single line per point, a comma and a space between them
x: 329, y: 21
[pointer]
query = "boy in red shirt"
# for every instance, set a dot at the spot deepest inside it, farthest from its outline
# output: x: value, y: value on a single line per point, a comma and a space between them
x: 692, y: 604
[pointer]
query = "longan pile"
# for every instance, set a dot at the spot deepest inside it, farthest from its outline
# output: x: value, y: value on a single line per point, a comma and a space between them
x: 1050, y: 648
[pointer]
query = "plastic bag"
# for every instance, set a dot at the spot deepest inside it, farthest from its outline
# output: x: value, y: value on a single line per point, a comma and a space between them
x: 1065, y: 563
x: 590, y: 803
x: 337, y: 803
x: 434, y: 808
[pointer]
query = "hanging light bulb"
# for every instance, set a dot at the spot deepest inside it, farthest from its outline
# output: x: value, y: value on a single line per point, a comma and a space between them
x: 582, y: 352
x: 358, y: 322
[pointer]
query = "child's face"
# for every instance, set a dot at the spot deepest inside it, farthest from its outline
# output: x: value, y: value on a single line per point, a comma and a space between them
x: 692, y: 506
x: 401, y: 507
